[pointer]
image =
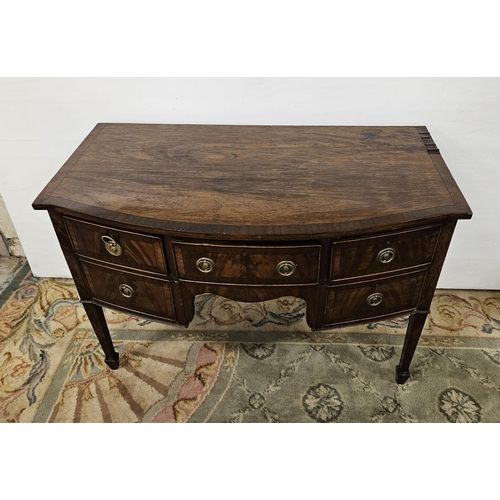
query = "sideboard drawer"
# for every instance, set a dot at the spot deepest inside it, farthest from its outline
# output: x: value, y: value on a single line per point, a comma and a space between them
x: 247, y: 263
x: 124, y: 248
x: 372, y: 299
x: 389, y: 252
x: 130, y: 291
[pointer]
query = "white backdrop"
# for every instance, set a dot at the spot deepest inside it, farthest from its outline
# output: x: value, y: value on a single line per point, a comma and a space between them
x: 43, y: 120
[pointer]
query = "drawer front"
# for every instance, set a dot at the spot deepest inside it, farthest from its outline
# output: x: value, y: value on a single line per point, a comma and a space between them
x: 124, y: 248
x: 133, y: 292
x: 372, y: 299
x: 247, y: 264
x: 390, y: 252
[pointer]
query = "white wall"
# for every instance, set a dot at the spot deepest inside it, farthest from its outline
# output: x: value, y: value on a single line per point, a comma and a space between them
x: 43, y: 120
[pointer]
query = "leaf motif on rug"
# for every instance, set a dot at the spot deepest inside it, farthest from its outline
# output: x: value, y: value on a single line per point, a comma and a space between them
x: 323, y: 403
x: 458, y: 406
x: 378, y: 353
x: 259, y: 351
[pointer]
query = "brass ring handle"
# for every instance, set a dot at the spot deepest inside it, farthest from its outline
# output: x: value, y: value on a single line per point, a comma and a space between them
x: 126, y: 290
x: 374, y: 299
x: 111, y: 245
x: 286, y: 268
x: 386, y: 255
x: 205, y: 265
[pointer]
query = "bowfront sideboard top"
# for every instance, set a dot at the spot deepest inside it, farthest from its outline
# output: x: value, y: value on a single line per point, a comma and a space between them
x: 354, y: 220
x: 256, y: 181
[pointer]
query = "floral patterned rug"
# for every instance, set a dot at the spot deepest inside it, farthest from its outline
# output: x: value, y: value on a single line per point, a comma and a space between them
x: 243, y: 362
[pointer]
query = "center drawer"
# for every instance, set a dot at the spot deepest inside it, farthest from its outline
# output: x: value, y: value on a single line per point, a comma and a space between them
x: 247, y: 264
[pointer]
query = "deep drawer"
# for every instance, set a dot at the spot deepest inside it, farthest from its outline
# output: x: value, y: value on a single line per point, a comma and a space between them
x: 130, y: 291
x: 379, y: 254
x: 139, y: 251
x: 247, y: 264
x: 373, y: 299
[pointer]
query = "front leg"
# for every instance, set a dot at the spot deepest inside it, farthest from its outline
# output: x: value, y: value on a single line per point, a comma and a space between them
x: 415, y: 327
x: 98, y: 322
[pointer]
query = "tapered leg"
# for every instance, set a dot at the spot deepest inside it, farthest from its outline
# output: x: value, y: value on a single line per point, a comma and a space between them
x: 98, y: 322
x: 415, y: 326
x: 315, y: 308
x: 188, y: 303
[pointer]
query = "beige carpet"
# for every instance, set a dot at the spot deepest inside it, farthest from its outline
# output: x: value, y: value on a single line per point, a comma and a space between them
x: 244, y: 362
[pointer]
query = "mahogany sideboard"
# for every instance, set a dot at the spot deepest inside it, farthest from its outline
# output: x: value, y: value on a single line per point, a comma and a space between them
x: 354, y: 220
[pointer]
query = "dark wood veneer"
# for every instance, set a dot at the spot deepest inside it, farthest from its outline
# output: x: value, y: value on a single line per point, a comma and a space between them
x: 347, y: 303
x: 150, y: 295
x: 140, y: 251
x: 328, y: 199
x: 247, y: 263
x: 252, y: 181
x: 358, y: 257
